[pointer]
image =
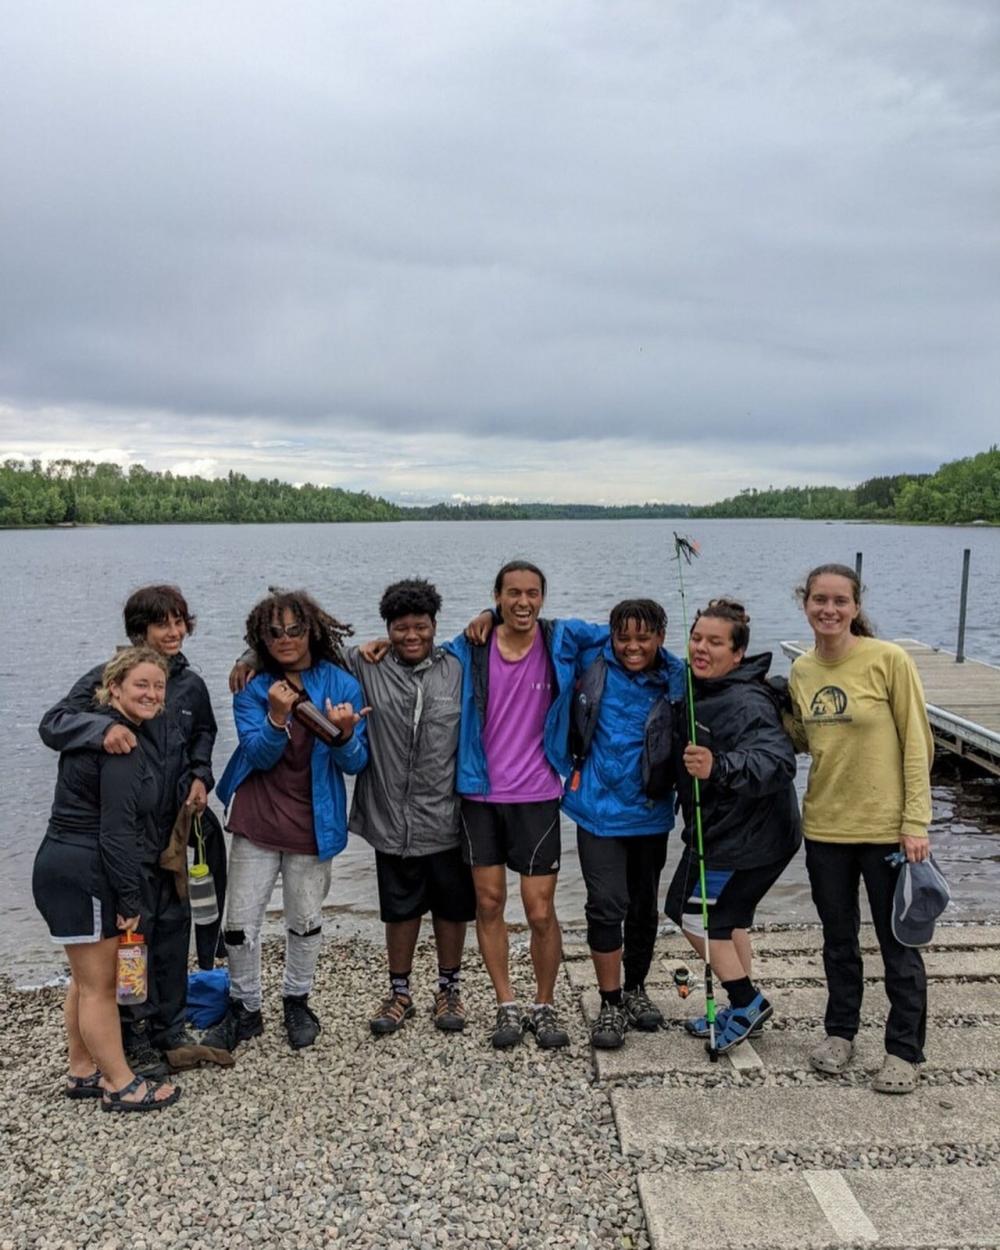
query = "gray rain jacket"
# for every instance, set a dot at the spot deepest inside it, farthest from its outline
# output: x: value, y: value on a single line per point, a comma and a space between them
x: 405, y: 801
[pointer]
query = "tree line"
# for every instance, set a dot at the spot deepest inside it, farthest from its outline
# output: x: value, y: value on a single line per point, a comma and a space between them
x: 68, y: 492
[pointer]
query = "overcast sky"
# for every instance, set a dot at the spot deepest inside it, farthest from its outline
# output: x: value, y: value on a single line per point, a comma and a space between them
x: 536, y: 250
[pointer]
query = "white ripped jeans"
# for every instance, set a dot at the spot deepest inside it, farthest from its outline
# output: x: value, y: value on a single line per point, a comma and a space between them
x: 305, y: 881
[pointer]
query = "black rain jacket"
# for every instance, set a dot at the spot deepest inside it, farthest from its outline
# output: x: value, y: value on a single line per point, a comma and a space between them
x: 750, y: 812
x: 109, y: 802
x: 179, y: 742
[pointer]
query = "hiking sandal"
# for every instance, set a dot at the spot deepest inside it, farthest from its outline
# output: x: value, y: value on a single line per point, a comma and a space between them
x: 896, y: 1076
x: 115, y: 1099
x: 832, y: 1055
x: 391, y: 1015
x: 84, y: 1086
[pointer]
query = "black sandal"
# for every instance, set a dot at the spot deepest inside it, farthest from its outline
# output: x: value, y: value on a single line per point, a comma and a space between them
x: 114, y: 1099
x: 84, y: 1086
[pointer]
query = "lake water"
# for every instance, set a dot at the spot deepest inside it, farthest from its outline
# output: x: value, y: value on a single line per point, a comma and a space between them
x: 61, y: 613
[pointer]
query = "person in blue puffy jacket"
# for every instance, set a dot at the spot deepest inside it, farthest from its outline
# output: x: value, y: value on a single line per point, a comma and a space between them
x: 301, y: 726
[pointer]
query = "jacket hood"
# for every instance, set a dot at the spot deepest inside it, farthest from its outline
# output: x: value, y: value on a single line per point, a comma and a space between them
x: 753, y: 670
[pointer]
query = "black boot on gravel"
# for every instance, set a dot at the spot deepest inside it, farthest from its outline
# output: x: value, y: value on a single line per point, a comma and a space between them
x: 301, y: 1022
x: 544, y: 1023
x: 237, y: 1025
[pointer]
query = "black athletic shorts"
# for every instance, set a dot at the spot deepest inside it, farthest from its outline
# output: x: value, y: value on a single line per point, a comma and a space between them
x: 732, y: 895
x: 73, y: 894
x: 411, y: 886
x: 524, y: 836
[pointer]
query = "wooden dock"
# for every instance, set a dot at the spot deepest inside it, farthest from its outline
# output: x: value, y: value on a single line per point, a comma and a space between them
x: 963, y: 700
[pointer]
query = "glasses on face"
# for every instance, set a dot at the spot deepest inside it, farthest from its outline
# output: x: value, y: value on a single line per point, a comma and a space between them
x: 274, y: 632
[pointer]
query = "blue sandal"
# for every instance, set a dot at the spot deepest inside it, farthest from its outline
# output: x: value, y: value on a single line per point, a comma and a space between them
x: 114, y: 1099
x: 84, y: 1086
x: 740, y: 1022
x: 698, y: 1027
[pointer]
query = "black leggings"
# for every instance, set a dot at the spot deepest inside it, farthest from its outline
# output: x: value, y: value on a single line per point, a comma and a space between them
x: 622, y: 876
x: 835, y: 873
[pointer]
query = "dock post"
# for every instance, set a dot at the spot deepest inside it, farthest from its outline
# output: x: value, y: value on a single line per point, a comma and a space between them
x: 858, y: 561
x: 963, y: 604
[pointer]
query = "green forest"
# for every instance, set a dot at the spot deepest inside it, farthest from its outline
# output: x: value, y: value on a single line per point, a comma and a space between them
x: 68, y: 492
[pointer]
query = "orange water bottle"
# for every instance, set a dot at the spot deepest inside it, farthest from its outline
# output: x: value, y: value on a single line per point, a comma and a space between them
x: 132, y: 982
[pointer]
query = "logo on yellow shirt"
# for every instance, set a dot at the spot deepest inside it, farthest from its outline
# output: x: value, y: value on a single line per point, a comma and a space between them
x: 828, y: 706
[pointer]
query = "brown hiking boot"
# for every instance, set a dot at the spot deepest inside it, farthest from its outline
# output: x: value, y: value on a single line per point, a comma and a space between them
x: 391, y: 1014
x: 449, y: 1013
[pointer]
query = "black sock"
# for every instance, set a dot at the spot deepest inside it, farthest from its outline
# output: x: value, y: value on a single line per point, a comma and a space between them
x: 631, y: 986
x: 448, y: 978
x: 614, y: 997
x: 400, y: 983
x: 741, y: 993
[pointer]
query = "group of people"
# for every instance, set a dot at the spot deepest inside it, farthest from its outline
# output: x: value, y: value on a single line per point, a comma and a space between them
x: 465, y: 754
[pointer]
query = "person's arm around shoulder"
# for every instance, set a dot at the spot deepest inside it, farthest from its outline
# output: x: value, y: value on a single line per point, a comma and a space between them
x: 575, y: 640
x: 76, y: 723
x: 121, y: 778
x: 916, y: 742
x: 263, y: 741
x: 200, y: 744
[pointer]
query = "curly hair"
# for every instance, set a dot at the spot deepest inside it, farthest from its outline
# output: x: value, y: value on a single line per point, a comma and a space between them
x: 731, y: 611
x: 861, y: 625
x: 411, y: 597
x: 122, y: 663
x: 645, y: 613
x: 326, y: 633
x: 154, y: 605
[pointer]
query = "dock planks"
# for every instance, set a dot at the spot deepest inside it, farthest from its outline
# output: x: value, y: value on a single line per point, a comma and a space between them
x: 963, y: 700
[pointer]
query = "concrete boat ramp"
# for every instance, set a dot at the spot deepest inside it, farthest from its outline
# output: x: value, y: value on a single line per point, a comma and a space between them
x: 758, y: 1152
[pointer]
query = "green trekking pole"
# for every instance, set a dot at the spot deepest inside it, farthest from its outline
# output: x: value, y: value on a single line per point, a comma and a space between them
x: 684, y: 552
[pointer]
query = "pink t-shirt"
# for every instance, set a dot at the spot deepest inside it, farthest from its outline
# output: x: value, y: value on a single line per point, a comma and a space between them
x: 521, y: 694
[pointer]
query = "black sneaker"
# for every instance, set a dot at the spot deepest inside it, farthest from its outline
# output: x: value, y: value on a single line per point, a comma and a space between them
x: 544, y: 1023
x: 509, y: 1027
x: 608, y: 1031
x: 642, y: 1012
x: 237, y: 1025
x: 141, y: 1055
x: 301, y: 1022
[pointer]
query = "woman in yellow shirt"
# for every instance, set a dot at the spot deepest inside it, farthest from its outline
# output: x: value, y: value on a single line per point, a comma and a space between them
x: 859, y: 711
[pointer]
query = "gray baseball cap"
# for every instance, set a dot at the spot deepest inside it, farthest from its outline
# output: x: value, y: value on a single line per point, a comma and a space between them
x: 921, y: 896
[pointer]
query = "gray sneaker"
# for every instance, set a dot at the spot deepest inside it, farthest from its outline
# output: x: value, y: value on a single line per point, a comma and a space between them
x: 642, y: 1012
x: 509, y: 1027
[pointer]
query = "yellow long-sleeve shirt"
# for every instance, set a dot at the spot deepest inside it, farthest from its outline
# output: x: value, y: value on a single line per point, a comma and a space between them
x: 863, y: 719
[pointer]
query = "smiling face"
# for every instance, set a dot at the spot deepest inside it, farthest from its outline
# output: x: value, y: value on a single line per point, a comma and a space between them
x: 710, y: 648
x: 140, y: 694
x: 412, y: 637
x: 830, y: 607
x: 520, y: 600
x: 166, y: 636
x: 287, y: 642
x: 636, y: 646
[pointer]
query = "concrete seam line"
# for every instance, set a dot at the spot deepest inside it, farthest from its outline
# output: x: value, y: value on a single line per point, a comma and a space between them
x: 836, y: 1200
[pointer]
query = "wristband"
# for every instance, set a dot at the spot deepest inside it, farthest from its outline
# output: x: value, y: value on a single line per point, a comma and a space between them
x: 285, y: 729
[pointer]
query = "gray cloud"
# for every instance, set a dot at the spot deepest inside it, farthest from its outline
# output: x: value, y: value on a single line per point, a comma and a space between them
x: 756, y: 230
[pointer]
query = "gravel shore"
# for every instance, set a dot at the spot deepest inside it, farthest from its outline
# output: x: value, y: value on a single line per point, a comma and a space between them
x: 419, y: 1140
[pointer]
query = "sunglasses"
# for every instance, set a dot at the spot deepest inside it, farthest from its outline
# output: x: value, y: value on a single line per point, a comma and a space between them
x: 275, y: 632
